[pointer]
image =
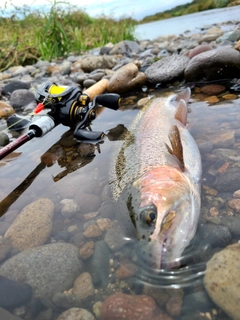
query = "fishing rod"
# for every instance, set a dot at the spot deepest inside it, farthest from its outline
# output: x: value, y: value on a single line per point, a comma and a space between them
x: 70, y: 107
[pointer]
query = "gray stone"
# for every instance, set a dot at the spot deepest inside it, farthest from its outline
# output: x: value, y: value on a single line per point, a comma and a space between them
x: 126, y: 47
x: 114, y: 238
x: 5, y: 315
x: 214, y: 64
x: 48, y: 269
x: 67, y: 301
x: 99, y: 264
x: 228, y: 181
x: 76, y: 314
x: 21, y: 98
x: 167, y: 69
x: 233, y: 223
x: 214, y: 235
x: 5, y: 247
x: 90, y: 63
x: 13, y: 85
x: 4, y: 139
x: 14, y: 294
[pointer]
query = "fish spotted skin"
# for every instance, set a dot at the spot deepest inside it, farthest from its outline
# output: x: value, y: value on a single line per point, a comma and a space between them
x: 155, y: 180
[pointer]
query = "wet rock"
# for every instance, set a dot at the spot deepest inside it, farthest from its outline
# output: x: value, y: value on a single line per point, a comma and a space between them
x: 99, y: 264
x: 214, y: 65
x: 114, y: 238
x: 212, y: 99
x: 106, y: 210
x: 211, y: 34
x: 126, y: 79
x: 3, y: 227
x: 47, y: 269
x: 233, y: 223
x: 45, y: 315
x: 14, y: 294
x: 5, y: 247
x: 32, y: 226
x: 83, y: 286
x: 67, y: 301
x: 125, y: 47
x: 106, y: 48
x: 4, y: 139
x: 76, y: 314
x: 228, y: 181
x: 92, y: 231
x: 167, y: 69
x: 88, y: 83
x: 237, y: 46
x: 104, y: 224
x: 234, y: 204
x: 22, y: 98
x: 229, y: 96
x: 221, y: 280
x: 90, y: 63
x: 174, y: 306
x: 13, y: 85
x: 198, y: 300
x: 65, y: 68
x: 226, y: 154
x: 126, y: 270
x: 88, y: 202
x: 123, y: 306
x: 69, y: 208
x: 87, y: 250
x: 224, y: 140
x: 213, y: 89
x: 205, y: 147
x: 4, y: 314
x: 214, y: 235
x: 198, y: 49
x: 5, y: 110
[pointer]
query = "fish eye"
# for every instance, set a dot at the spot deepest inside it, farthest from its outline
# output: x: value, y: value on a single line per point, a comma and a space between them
x: 149, y: 214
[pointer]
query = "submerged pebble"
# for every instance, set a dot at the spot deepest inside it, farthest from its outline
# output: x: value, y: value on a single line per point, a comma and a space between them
x: 221, y: 280
x: 48, y: 269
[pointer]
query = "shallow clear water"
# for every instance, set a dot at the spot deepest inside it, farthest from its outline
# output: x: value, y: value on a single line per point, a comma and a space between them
x: 83, y: 169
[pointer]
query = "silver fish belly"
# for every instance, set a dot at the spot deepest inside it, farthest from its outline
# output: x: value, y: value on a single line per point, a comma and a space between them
x: 155, y: 180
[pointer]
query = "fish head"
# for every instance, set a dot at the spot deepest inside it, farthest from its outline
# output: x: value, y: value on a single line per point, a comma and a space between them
x: 163, y: 213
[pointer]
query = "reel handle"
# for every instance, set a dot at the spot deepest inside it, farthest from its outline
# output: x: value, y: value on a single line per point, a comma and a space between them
x: 109, y: 100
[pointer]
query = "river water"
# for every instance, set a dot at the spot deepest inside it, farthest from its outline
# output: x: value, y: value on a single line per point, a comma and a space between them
x: 191, y: 22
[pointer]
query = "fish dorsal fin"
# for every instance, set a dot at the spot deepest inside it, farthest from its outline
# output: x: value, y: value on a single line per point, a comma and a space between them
x: 176, y: 148
x: 181, y: 112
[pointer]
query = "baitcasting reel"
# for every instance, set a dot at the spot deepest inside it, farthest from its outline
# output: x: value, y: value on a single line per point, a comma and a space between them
x: 70, y: 107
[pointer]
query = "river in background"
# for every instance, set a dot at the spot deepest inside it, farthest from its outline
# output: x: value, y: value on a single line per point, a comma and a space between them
x: 193, y: 22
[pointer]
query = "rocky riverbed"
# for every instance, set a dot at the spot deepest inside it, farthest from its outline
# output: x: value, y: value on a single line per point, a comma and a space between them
x: 62, y: 252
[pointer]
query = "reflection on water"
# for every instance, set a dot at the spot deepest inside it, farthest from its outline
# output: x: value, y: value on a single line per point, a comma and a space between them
x: 74, y: 176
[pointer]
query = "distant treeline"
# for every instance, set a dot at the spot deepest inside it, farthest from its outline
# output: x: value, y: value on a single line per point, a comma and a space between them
x: 190, y: 7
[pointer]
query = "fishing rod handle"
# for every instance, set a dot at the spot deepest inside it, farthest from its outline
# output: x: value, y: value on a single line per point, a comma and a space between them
x: 16, y: 144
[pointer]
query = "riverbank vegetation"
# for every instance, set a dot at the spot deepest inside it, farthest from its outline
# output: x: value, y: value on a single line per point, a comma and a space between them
x: 190, y: 7
x: 28, y: 35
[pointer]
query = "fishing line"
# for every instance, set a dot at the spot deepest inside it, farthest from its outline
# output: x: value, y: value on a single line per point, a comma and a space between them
x: 32, y: 114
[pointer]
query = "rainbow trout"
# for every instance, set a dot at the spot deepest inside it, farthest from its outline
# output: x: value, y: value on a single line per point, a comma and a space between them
x: 155, y: 180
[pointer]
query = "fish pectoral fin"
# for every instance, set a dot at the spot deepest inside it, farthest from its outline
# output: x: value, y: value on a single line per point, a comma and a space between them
x: 176, y: 148
x: 181, y: 112
x: 184, y: 95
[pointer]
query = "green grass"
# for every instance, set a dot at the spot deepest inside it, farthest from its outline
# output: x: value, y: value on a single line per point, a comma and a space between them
x: 61, y: 30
